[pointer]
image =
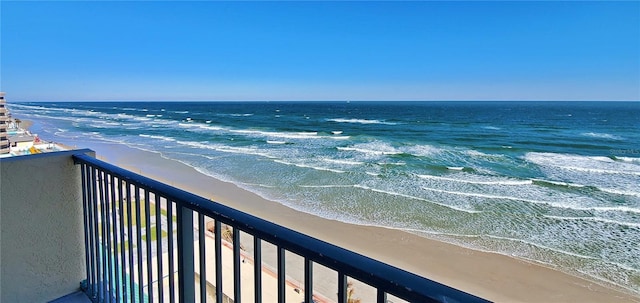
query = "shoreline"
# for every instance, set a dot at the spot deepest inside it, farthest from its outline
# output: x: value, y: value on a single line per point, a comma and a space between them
x: 493, y: 276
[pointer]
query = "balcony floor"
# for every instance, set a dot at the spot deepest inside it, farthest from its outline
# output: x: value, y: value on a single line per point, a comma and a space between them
x: 76, y: 297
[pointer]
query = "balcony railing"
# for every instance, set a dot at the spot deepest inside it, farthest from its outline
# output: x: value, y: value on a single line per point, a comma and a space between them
x: 146, y: 242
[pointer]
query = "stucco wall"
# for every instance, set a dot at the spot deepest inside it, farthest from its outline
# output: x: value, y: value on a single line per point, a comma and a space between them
x: 41, y: 231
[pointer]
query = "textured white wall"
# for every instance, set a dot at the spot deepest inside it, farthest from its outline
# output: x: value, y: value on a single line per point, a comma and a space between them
x: 41, y: 227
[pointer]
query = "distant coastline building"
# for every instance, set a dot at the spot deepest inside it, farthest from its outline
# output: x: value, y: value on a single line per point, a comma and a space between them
x: 4, y: 125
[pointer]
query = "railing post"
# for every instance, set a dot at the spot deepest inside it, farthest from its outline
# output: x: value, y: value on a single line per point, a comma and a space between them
x: 186, y: 277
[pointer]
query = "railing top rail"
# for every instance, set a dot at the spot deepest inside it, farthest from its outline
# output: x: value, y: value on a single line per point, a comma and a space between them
x: 387, y: 278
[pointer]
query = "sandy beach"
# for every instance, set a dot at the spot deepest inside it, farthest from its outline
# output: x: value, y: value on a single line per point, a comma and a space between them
x: 492, y: 276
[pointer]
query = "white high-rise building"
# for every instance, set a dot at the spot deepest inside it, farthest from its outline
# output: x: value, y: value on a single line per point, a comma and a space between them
x: 4, y: 124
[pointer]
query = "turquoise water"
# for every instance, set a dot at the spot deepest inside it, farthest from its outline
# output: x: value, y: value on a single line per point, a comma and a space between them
x: 553, y: 182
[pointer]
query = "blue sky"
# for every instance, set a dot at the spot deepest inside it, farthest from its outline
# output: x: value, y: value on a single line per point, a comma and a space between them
x: 211, y: 50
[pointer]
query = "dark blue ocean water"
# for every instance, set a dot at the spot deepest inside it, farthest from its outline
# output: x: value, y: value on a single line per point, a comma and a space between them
x: 553, y: 182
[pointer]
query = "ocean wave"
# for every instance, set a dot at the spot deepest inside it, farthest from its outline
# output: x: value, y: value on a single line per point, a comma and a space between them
x: 361, y: 121
x: 200, y: 126
x: 465, y: 179
x: 227, y: 149
x: 310, y: 166
x: 340, y: 137
x: 376, y: 148
x: 562, y: 204
x: 326, y: 186
x: 423, y: 150
x: 596, y: 219
x: 586, y: 164
x: 601, y: 136
x: 628, y: 159
x: 392, y: 163
x: 341, y: 161
x: 488, y: 196
x: 457, y: 208
x: 557, y: 183
x: 157, y: 137
x: 492, y: 127
x: 624, y: 209
x: 620, y: 192
x: 272, y: 134
x: 276, y: 142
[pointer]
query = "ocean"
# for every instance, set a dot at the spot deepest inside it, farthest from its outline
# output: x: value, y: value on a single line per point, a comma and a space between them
x: 556, y: 183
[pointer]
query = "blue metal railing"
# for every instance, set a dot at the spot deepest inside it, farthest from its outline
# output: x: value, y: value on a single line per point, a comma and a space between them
x: 126, y: 212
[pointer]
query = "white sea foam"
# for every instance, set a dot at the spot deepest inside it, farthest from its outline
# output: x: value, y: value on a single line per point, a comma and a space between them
x: 341, y: 161
x: 586, y: 164
x: 485, y: 180
x: 226, y: 148
x: 369, y: 151
x: 620, y: 192
x: 271, y: 134
x: 157, y: 137
x: 492, y: 127
x: 601, y: 136
x: 200, y: 126
x: 310, y: 166
x: 392, y: 163
x: 560, y: 183
x: 340, y: 137
x: 455, y: 167
x: 454, y: 207
x: 595, y: 219
x: 629, y: 159
x: 626, y: 209
x: 361, y: 121
x: 376, y: 148
x: 326, y: 186
x: 424, y: 150
x: 486, y: 196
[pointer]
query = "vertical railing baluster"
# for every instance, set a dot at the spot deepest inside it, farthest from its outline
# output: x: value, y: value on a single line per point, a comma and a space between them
x: 237, y: 297
x: 103, y: 236
x: 342, y: 288
x: 281, y: 275
x: 382, y: 296
x: 132, y: 293
x: 308, y: 280
x: 218, y: 248
x: 172, y: 291
x: 147, y: 223
x: 137, y: 202
x: 159, y: 252
x: 114, y: 227
x: 186, y: 279
x: 257, y: 268
x: 107, y: 236
x: 92, y: 246
x: 203, y: 257
x: 123, y: 239
x: 86, y: 212
x: 96, y: 231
